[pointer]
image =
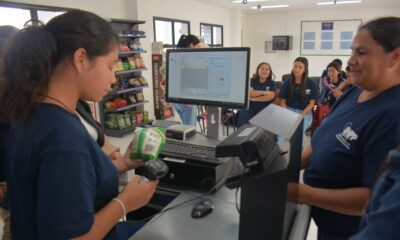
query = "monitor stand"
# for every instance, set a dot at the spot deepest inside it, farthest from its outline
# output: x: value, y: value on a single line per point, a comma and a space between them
x: 213, y: 119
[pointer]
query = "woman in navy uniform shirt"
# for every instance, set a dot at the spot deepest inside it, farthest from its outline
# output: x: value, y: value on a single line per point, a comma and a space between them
x: 350, y: 145
x: 299, y: 93
x: 331, y: 82
x: 262, y: 92
x: 60, y: 183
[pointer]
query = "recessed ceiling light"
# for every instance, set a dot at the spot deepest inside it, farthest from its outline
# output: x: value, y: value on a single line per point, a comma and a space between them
x: 269, y: 6
x: 241, y: 1
x: 339, y: 2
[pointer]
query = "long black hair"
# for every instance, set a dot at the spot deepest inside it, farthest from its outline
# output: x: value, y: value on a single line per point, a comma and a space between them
x: 37, y: 50
x: 336, y: 66
x: 186, y: 40
x: 304, y: 84
x: 6, y: 32
x: 385, y: 31
x: 256, y: 77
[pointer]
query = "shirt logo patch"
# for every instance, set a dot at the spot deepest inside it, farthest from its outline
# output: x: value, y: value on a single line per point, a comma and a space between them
x: 308, y: 91
x: 267, y: 88
x: 347, y: 136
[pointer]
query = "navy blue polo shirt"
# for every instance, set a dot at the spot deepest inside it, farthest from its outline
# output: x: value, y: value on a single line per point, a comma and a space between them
x: 265, y: 86
x: 383, y: 212
x: 58, y: 177
x: 311, y: 93
x: 348, y: 148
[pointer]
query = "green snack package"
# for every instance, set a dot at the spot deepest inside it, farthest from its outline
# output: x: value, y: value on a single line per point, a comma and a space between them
x: 146, y: 144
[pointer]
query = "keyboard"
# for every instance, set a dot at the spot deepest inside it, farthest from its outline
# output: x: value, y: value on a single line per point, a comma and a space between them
x: 188, y: 151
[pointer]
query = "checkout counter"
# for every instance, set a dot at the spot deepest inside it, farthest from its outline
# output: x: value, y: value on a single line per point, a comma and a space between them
x: 266, y: 212
x: 221, y: 224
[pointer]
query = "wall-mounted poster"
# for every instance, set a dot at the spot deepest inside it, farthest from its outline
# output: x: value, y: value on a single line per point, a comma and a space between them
x: 328, y: 37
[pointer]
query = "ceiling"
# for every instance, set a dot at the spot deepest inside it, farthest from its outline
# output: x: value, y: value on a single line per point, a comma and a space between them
x: 299, y: 5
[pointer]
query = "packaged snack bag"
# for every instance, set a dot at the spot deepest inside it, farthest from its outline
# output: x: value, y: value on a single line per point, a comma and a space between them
x: 146, y: 144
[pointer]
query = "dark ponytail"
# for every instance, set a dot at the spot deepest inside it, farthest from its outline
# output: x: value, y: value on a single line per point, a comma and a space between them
x: 186, y: 40
x: 36, y: 51
x: 26, y: 68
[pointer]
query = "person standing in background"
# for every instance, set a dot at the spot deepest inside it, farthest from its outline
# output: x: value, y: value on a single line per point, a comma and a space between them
x: 262, y: 92
x: 60, y: 183
x: 6, y: 33
x: 187, y: 112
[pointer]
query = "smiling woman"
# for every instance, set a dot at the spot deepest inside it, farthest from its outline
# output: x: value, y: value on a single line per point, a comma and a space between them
x: 350, y: 145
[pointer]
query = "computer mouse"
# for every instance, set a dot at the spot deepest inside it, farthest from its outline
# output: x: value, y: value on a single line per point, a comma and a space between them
x: 202, y: 209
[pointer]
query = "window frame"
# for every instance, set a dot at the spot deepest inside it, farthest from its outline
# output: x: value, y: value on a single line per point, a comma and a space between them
x: 34, y: 8
x: 172, y: 21
x: 212, y: 33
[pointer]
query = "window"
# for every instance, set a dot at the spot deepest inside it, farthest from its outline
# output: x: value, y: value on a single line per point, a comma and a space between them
x: 213, y: 34
x: 20, y: 14
x: 169, y: 31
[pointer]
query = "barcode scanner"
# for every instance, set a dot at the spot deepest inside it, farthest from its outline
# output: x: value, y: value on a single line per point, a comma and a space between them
x: 154, y: 169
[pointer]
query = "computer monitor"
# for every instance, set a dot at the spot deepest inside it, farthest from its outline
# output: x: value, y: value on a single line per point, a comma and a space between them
x: 208, y: 76
x: 216, y: 77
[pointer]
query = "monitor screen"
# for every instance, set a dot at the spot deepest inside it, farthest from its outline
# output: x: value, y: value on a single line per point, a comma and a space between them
x: 208, y: 76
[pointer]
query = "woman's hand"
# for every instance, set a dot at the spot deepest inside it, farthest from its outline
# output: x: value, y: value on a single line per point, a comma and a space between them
x: 136, y: 194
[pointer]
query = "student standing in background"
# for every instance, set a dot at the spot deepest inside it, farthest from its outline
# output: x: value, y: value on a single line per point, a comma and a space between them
x: 61, y: 185
x: 262, y: 92
x: 348, y: 148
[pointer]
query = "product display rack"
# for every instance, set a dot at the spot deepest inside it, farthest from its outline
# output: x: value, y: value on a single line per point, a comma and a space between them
x: 123, y: 108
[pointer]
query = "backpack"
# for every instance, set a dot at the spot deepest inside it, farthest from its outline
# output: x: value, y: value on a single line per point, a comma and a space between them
x: 320, y: 112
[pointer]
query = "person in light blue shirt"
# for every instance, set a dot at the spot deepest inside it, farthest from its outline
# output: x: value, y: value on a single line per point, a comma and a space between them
x: 188, y: 112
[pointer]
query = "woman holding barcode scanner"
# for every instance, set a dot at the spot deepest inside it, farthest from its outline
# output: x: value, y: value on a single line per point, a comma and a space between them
x: 61, y: 184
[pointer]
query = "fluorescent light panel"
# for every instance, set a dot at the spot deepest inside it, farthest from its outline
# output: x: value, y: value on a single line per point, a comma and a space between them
x: 249, y: 1
x: 339, y: 2
x: 270, y: 6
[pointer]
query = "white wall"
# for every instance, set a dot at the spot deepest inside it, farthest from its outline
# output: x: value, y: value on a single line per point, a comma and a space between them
x: 261, y: 27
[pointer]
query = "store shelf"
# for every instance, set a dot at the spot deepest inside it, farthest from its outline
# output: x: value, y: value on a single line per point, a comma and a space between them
x: 126, y: 21
x: 128, y: 89
x: 126, y: 54
x: 118, y: 132
x: 124, y: 108
x: 121, y: 73
x: 131, y: 36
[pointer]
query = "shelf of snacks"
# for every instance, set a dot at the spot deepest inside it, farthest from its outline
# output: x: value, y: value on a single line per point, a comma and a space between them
x: 118, y: 124
x: 126, y: 97
x: 126, y: 72
x: 124, y: 108
x: 130, y: 53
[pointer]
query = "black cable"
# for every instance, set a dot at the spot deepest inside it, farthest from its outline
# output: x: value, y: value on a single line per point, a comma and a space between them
x: 239, y: 186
